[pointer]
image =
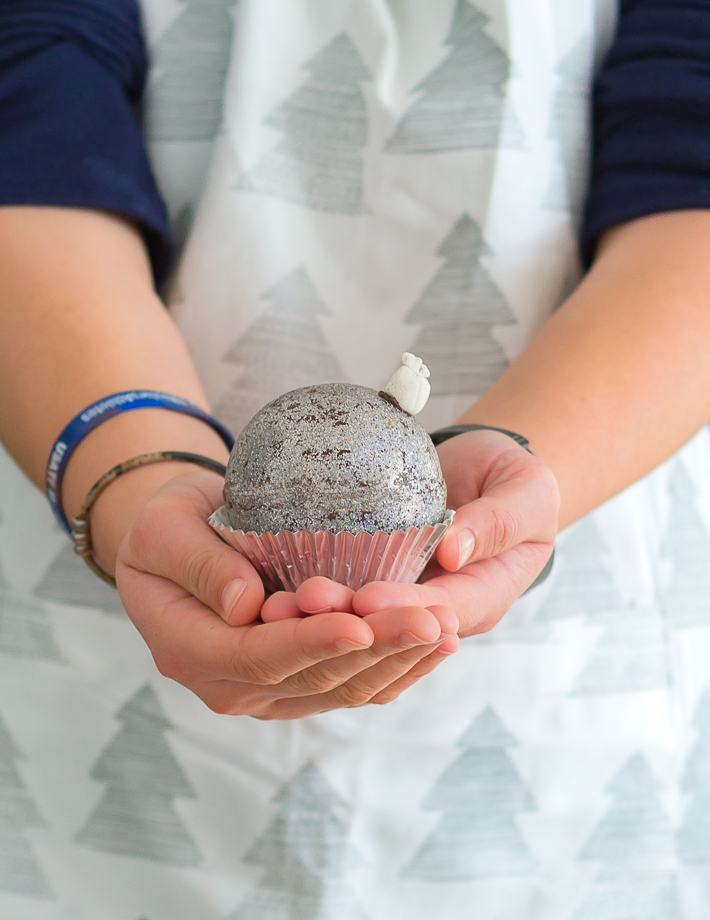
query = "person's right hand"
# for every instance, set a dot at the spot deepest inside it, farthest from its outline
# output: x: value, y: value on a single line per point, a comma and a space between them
x: 197, y: 603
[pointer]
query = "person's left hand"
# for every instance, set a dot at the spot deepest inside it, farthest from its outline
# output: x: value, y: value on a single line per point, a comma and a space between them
x: 507, y: 504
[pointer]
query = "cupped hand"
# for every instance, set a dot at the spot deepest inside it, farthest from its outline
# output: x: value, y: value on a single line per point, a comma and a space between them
x: 507, y: 504
x: 198, y: 603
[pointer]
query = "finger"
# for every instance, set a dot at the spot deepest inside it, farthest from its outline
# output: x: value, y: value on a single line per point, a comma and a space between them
x: 363, y: 686
x: 394, y: 631
x: 381, y: 683
x: 321, y: 595
x: 478, y: 594
x: 518, y: 504
x: 357, y: 683
x: 482, y: 592
x: 172, y: 539
x: 406, y: 668
x: 423, y: 667
x: 387, y: 595
x: 280, y: 606
x: 190, y: 643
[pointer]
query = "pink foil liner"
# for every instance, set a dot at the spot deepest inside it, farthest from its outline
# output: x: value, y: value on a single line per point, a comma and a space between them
x: 285, y: 560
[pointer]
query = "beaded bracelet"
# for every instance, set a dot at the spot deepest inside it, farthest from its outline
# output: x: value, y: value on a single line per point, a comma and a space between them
x: 80, y: 526
x: 91, y: 417
x: 444, y: 434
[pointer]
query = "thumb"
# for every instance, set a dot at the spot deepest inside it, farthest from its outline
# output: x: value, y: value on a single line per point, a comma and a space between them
x: 519, y: 509
x: 172, y: 540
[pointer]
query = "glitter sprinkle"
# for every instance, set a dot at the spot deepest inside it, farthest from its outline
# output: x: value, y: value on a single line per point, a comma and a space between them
x: 334, y: 457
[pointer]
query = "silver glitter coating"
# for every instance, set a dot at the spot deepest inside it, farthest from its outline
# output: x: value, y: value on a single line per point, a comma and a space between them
x: 334, y: 457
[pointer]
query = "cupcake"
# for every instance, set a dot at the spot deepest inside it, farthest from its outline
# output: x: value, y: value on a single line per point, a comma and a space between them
x: 337, y: 480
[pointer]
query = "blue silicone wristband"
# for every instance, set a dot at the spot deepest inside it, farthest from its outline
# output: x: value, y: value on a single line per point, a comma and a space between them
x: 101, y: 411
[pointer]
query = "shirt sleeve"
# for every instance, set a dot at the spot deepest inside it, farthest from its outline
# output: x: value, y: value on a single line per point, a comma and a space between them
x: 651, y: 116
x: 71, y: 75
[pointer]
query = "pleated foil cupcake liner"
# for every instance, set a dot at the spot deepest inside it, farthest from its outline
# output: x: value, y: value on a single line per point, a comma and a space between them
x: 285, y: 560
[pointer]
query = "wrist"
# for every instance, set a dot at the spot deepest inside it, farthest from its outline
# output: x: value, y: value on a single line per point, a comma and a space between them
x: 119, y: 439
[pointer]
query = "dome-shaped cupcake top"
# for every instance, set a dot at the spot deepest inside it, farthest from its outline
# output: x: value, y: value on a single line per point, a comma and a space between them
x: 335, y: 457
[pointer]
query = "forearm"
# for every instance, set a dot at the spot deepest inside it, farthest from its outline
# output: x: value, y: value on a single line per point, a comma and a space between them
x: 618, y: 378
x: 79, y: 320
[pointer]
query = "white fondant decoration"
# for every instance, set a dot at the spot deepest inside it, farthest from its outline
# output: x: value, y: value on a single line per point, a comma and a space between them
x: 409, y: 384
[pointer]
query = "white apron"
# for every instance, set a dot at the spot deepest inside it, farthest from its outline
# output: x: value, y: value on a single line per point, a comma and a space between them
x: 381, y: 176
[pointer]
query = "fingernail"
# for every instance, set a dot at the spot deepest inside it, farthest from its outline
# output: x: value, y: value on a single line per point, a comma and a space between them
x: 467, y: 541
x: 231, y: 594
x: 350, y: 645
x: 409, y: 640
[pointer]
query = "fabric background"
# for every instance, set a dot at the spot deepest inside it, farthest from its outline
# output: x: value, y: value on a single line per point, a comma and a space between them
x: 554, y: 768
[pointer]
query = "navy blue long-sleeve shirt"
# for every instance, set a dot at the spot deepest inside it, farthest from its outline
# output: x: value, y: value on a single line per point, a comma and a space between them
x: 651, y: 138
x: 71, y: 76
x: 72, y: 72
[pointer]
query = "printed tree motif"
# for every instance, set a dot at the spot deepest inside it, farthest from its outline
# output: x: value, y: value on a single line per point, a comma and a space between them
x: 630, y: 655
x: 68, y: 580
x: 20, y: 873
x: 693, y: 838
x: 569, y: 127
x: 581, y: 583
x: 318, y: 163
x: 135, y: 816
x: 479, y: 795
x: 457, y: 311
x: 306, y: 854
x: 634, y: 844
x: 687, y: 544
x: 190, y: 62
x: 284, y: 348
x: 25, y: 630
x: 462, y: 102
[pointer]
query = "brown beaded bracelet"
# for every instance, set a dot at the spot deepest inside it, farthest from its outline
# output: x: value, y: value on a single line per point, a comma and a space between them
x: 80, y: 526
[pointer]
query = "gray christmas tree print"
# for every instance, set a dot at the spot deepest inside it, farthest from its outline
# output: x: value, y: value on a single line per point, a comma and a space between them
x: 693, y: 837
x: 135, y: 816
x: 20, y: 872
x: 581, y: 583
x: 25, y: 630
x: 630, y: 655
x: 318, y: 164
x: 633, y: 843
x: 457, y: 312
x: 68, y: 580
x: 687, y: 545
x: 462, y: 103
x: 284, y: 348
x: 306, y: 855
x: 479, y: 796
x: 569, y: 127
x: 190, y: 62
